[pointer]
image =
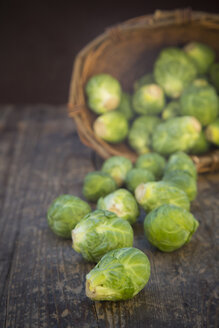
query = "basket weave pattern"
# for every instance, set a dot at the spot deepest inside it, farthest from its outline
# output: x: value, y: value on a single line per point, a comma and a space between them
x: 127, y: 51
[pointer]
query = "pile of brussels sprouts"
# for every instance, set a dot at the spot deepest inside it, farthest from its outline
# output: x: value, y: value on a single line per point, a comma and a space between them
x: 173, y: 111
x: 174, y: 108
x: 162, y: 188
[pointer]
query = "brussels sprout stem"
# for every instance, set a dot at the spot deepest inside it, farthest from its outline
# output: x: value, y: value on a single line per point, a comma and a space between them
x: 115, y: 209
x: 111, y: 103
x: 99, y: 128
x: 90, y: 293
x: 99, y: 293
x: 140, y: 192
x: 196, y: 124
x: 76, y: 238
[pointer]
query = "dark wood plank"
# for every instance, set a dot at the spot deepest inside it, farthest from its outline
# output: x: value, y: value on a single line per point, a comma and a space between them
x: 44, y: 287
x: 42, y: 278
x: 8, y: 155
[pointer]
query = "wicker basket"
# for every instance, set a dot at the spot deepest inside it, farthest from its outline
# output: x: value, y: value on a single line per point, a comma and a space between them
x: 127, y: 51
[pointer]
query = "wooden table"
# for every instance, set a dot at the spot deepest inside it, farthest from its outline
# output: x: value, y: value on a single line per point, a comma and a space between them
x: 42, y: 279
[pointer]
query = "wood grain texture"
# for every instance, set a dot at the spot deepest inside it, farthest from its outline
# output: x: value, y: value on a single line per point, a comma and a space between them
x: 42, y: 279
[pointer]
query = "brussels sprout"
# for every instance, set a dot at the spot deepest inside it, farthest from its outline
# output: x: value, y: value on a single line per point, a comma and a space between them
x: 97, y: 184
x: 64, y: 213
x: 147, y: 121
x: 152, y: 162
x: 120, y: 275
x: 201, y: 54
x: 200, y: 101
x: 181, y: 161
x: 154, y: 194
x: 171, y: 110
x: 144, y: 80
x: 214, y: 75
x: 212, y: 132
x: 121, y: 202
x: 125, y: 106
x: 174, y: 70
x: 139, y: 139
x: 178, y: 133
x: 183, y: 180
x: 148, y: 99
x: 137, y: 176
x: 103, y: 92
x: 100, y: 232
x: 139, y: 136
x: 111, y: 127
x: 169, y: 227
x: 201, y: 146
x: 117, y: 167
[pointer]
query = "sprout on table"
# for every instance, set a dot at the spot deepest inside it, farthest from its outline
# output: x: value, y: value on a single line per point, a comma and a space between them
x: 151, y: 195
x: 120, y: 275
x: 169, y: 227
x: 153, y: 162
x: 117, y: 167
x: 122, y: 203
x: 64, y: 213
x: 100, y: 232
x: 97, y: 184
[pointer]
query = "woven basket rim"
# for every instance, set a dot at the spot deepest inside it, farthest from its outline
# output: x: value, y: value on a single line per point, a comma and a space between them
x: 159, y: 18
x: 204, y: 163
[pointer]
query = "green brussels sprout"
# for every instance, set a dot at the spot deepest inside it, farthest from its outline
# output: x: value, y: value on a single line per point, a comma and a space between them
x: 183, y: 180
x: 120, y: 275
x: 201, y: 54
x: 122, y: 203
x: 173, y: 71
x: 214, y: 75
x: 147, y: 121
x: 98, y: 184
x: 171, y: 110
x: 64, y: 213
x: 181, y: 161
x: 201, y: 146
x: 100, y: 232
x: 111, y: 127
x: 139, y: 140
x: 152, y: 162
x: 169, y: 227
x: 144, y: 80
x: 148, y: 99
x: 178, y: 133
x: 200, y: 101
x: 117, y: 167
x: 103, y: 92
x: 137, y: 176
x: 125, y: 106
x: 151, y: 195
x: 139, y: 136
x: 212, y: 132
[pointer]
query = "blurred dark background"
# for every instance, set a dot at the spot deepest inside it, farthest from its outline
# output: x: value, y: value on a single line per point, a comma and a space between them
x: 40, y: 39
